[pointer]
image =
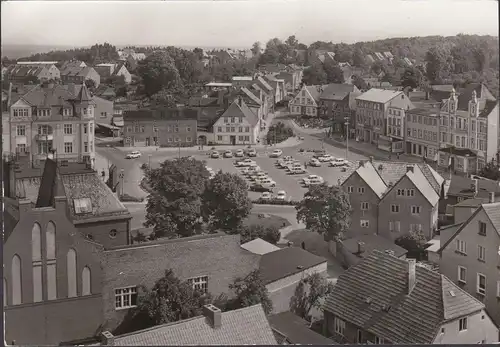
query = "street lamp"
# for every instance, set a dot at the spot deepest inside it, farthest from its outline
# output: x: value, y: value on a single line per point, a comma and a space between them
x: 122, y: 176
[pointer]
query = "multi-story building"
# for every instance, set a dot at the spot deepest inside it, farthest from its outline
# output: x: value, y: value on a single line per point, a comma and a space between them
x: 160, y: 127
x: 52, y: 73
x: 471, y: 257
x: 76, y: 74
x: 422, y: 132
x: 307, y: 101
x: 338, y: 103
x: 372, y: 110
x: 237, y: 125
x: 51, y: 118
x: 392, y: 199
x: 388, y: 300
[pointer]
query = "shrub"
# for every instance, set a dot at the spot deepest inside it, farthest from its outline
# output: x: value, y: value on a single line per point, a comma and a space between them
x: 130, y: 198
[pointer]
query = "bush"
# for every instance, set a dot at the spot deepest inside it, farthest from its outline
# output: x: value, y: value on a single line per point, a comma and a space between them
x: 130, y: 198
x: 275, y: 202
x: 279, y: 132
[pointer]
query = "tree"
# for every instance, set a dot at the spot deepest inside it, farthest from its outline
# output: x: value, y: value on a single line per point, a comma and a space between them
x: 309, y: 294
x: 270, y: 234
x: 198, y: 52
x: 490, y: 171
x: 171, y: 300
x: 292, y: 42
x: 250, y: 291
x: 174, y: 205
x: 225, y: 201
x: 116, y: 81
x: 314, y: 75
x: 358, y: 59
x: 360, y: 83
x: 411, y: 78
x: 334, y: 73
x: 90, y: 84
x: 325, y: 210
x: 278, y: 132
x: 158, y: 72
x: 414, y: 243
x: 256, y: 49
x: 438, y: 65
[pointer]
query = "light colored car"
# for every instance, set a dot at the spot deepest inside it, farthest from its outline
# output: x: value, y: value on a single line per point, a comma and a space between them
x: 133, y: 155
x: 251, y: 170
x: 297, y: 170
x: 259, y: 176
x: 339, y: 162
x: 281, y: 195
x: 245, y: 162
x: 288, y: 163
x: 315, y: 162
x: 228, y: 154
x: 326, y: 158
x: 267, y: 182
x: 215, y: 155
x: 266, y: 196
x: 252, y: 152
x: 276, y: 153
x: 312, y: 179
x: 239, y: 153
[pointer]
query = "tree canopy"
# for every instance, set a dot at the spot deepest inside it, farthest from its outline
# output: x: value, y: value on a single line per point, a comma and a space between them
x: 270, y: 234
x: 310, y: 293
x: 325, y: 210
x: 250, y: 291
x: 490, y: 171
x: 158, y: 72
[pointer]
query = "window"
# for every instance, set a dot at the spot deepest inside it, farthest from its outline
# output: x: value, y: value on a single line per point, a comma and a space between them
x: 50, y: 238
x: 247, y: 129
x: 395, y: 208
x: 228, y: 129
x: 21, y: 148
x: 415, y: 210
x: 232, y: 120
x: 177, y: 139
x: 4, y: 292
x: 82, y: 205
x: 125, y: 297
x: 113, y: 233
x: 155, y: 128
x: 339, y: 326
x: 482, y: 228
x: 350, y: 189
x: 461, y: 247
x: 86, y: 128
x: 219, y: 129
x: 16, y: 280
x: 219, y: 138
x: 169, y: 129
x: 103, y: 114
x: 21, y: 130
x: 68, y: 147
x: 226, y: 120
x: 410, y: 192
x: 170, y: 139
x: 176, y: 129
x: 361, y: 190
x: 240, y: 129
x: 129, y: 129
x: 71, y: 268
x: 364, y: 206
x: 44, y: 130
x: 462, y: 324
x: 378, y: 340
x: 189, y: 139
x: 481, y: 253
x: 401, y: 192
x: 36, y: 257
x: 397, y: 226
x: 359, y: 336
x: 85, y: 147
x: 68, y: 129
x: 481, y: 284
x: 142, y: 129
x: 462, y: 274
x: 247, y: 138
x: 364, y: 223
x: 199, y: 283
x: 86, y: 280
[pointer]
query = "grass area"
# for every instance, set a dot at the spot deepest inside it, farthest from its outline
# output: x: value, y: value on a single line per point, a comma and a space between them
x: 270, y: 221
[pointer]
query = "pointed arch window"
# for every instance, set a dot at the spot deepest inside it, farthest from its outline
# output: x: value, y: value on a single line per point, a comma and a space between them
x: 71, y: 268
x: 50, y: 237
x: 36, y: 257
x: 16, y: 280
x: 86, y: 281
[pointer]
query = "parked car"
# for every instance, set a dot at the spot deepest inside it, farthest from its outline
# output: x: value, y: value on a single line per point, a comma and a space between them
x: 318, y: 153
x: 267, y: 182
x: 315, y: 162
x: 245, y: 162
x: 312, y: 179
x: 258, y: 176
x: 326, y: 158
x: 239, y: 153
x: 276, y: 153
x: 339, y: 162
x: 252, y: 152
x: 133, y: 155
x: 297, y: 170
x: 286, y: 164
x: 266, y: 196
x: 228, y: 154
x: 251, y: 170
x: 281, y: 195
x: 301, y: 138
x: 215, y: 155
x: 260, y: 189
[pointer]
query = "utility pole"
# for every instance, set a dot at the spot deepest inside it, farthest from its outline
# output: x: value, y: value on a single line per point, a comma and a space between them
x: 149, y: 161
x: 122, y: 178
x: 347, y: 137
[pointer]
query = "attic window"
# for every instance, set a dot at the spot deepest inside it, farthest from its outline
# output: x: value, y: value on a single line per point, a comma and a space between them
x: 82, y: 205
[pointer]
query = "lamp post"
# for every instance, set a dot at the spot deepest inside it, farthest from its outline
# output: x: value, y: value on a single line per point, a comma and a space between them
x: 122, y: 176
x: 149, y: 161
x: 346, y: 137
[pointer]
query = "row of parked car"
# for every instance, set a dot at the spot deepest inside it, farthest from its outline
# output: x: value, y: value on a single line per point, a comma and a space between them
x: 239, y: 153
x: 293, y: 166
x: 318, y: 159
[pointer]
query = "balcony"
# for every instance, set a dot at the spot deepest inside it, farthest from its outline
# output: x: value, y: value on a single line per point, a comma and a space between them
x: 45, y: 137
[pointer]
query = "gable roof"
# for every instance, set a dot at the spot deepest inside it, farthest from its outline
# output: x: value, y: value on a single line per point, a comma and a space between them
x: 259, y: 246
x: 245, y: 326
x: 379, y: 95
x: 412, y: 318
x: 337, y: 91
x: 493, y: 213
x: 462, y: 186
x: 264, y: 83
x: 48, y: 97
x: 371, y: 177
x: 423, y: 185
x: 371, y: 243
x: 482, y: 93
x: 286, y: 262
x: 239, y: 109
x: 251, y: 96
x: 315, y: 91
x: 296, y: 330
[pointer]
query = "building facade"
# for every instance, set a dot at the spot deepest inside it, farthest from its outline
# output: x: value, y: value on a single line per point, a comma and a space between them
x: 237, y: 125
x: 338, y: 103
x: 306, y: 102
x: 78, y: 75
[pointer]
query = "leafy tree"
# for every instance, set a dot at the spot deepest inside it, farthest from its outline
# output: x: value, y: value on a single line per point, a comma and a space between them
x: 272, y: 53
x: 358, y: 59
x: 325, y: 210
x: 140, y: 237
x: 250, y: 291
x: 158, y: 72
x: 334, y: 73
x: 315, y: 75
x: 278, y: 132
x: 121, y: 91
x: 90, y: 84
x: 438, y: 65
x: 490, y: 171
x: 225, y: 201
x: 174, y: 205
x: 292, y: 42
x: 360, y: 83
x: 412, y: 78
x: 310, y: 293
x: 270, y: 234
x: 198, y: 52
x: 256, y: 49
x: 116, y: 81
x: 414, y: 243
x: 171, y: 300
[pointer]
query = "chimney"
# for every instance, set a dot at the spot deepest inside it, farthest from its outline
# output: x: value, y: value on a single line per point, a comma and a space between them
x: 492, y: 197
x: 411, y: 274
x: 409, y: 168
x: 107, y: 339
x: 213, y: 314
x: 361, y: 247
x: 371, y: 159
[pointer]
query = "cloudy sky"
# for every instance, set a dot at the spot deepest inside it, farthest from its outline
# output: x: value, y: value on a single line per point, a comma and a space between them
x: 235, y: 23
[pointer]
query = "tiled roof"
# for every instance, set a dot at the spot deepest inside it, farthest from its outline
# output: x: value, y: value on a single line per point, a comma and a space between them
x: 493, y: 213
x: 336, y: 91
x: 145, y: 263
x: 25, y: 70
x: 264, y: 83
x: 462, y: 186
x: 286, y: 262
x: 412, y: 318
x: 245, y: 326
x: 423, y: 185
x: 471, y: 202
x: 47, y: 97
x: 379, y: 95
x: 251, y: 96
x: 315, y: 91
x: 259, y: 246
x: 369, y: 174
x: 372, y: 243
x: 197, y: 101
x: 73, y: 70
x: 296, y: 330
x: 240, y: 109
x: 482, y: 93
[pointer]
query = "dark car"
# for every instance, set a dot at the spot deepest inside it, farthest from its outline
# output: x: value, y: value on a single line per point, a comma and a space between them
x: 260, y: 189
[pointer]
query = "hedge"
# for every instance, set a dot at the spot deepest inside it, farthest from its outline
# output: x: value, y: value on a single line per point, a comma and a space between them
x: 275, y: 202
x: 130, y: 198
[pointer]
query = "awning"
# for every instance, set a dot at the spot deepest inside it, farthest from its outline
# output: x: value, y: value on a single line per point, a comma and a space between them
x: 108, y: 126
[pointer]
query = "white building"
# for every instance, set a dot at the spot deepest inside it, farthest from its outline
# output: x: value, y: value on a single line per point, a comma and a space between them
x: 237, y: 125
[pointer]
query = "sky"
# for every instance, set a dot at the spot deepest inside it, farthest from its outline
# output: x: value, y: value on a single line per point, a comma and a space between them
x: 236, y: 23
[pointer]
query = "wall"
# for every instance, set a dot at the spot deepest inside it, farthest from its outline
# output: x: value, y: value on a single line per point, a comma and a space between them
x: 103, y: 110
x: 226, y: 135
x: 100, y: 232
x: 493, y: 140
x: 461, y: 214
x: 165, y: 135
x: 480, y: 329
x: 6, y: 132
x: 450, y: 260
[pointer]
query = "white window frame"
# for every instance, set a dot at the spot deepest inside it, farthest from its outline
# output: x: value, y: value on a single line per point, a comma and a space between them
x: 400, y: 192
x: 199, y: 283
x: 121, y: 294
x: 339, y: 326
x: 461, y: 246
x: 410, y: 192
x: 365, y: 206
x: 462, y: 324
x: 21, y: 130
x: 361, y: 190
x: 189, y: 139
x: 462, y: 280
x: 350, y: 189
x: 481, y: 253
x: 364, y: 223
x: 479, y: 290
x: 68, y: 147
x: 415, y: 209
x: 394, y: 208
x: 68, y: 129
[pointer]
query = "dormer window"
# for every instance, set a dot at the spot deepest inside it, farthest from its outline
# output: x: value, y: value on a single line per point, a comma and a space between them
x: 82, y: 205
